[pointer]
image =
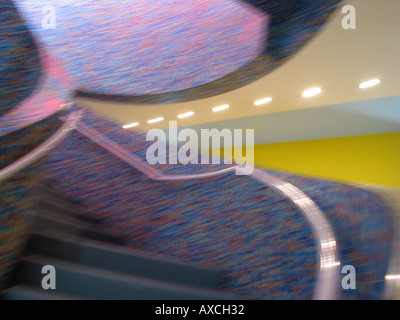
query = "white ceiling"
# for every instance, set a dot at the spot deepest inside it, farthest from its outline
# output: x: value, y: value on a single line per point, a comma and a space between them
x: 356, y: 118
x: 337, y: 60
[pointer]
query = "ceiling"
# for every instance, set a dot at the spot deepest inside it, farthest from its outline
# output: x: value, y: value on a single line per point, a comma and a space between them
x: 355, y: 118
x: 337, y: 60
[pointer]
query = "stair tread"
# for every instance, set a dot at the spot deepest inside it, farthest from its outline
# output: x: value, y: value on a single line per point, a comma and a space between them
x: 48, y: 190
x: 118, y: 249
x: 91, y: 263
x: 24, y: 292
x: 59, y: 202
x: 121, y: 280
x: 63, y: 218
x: 68, y: 227
x: 67, y: 208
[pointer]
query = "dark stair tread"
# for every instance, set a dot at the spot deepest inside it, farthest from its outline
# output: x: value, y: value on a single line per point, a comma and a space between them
x: 48, y: 190
x: 67, y: 227
x: 92, y: 264
x: 23, y: 292
x: 47, y: 214
x: 59, y: 207
x: 121, y: 259
x: 93, y: 283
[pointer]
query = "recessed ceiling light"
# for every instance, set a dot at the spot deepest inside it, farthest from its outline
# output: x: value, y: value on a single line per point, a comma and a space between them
x: 134, y: 124
x: 262, y: 101
x: 185, y: 115
x: 392, y: 276
x: 369, y: 83
x: 311, y: 92
x: 155, y: 120
x: 220, y: 108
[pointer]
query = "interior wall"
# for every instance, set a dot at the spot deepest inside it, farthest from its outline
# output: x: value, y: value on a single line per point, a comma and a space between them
x: 368, y: 158
x: 231, y: 223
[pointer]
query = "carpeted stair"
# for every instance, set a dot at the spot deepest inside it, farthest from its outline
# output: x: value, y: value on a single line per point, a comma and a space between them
x: 93, y: 264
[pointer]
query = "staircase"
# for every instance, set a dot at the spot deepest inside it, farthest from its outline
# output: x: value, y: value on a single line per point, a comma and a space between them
x: 91, y: 264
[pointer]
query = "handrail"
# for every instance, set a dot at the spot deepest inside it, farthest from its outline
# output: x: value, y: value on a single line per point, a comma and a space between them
x: 138, y: 163
x: 328, y: 273
x: 327, y: 278
x: 69, y: 124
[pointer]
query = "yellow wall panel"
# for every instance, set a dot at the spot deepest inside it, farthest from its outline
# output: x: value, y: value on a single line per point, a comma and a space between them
x: 370, y: 158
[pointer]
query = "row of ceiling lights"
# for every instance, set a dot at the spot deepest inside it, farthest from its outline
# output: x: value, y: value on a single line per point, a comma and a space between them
x: 306, y: 94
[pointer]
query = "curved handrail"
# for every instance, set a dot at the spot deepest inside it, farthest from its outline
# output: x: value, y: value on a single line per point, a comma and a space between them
x: 69, y: 124
x: 328, y: 275
x: 138, y: 163
x: 327, y: 279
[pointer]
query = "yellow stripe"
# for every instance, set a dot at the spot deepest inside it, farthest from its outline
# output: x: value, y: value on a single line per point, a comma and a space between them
x: 369, y: 158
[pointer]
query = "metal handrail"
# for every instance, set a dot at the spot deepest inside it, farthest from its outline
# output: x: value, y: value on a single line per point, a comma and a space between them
x: 327, y: 279
x: 328, y: 273
x: 138, y: 163
x: 327, y: 252
x: 69, y: 124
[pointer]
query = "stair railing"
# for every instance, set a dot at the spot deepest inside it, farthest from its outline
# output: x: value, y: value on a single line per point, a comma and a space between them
x: 69, y: 124
x: 328, y: 274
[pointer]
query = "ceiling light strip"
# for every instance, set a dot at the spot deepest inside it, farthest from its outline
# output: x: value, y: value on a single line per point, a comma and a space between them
x: 134, y: 124
x: 369, y: 83
x: 155, y: 120
x: 262, y: 101
x: 311, y: 92
x: 185, y: 115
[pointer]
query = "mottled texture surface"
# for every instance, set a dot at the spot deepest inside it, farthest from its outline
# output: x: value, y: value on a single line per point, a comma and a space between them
x: 20, y: 65
x: 187, y: 52
x: 173, y: 51
x: 143, y: 47
x: 293, y: 24
x: 17, y: 194
x: 225, y: 223
x: 364, y: 229
x: 230, y: 222
x: 53, y: 89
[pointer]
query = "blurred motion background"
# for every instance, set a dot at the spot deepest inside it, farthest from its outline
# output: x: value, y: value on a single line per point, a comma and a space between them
x: 79, y: 84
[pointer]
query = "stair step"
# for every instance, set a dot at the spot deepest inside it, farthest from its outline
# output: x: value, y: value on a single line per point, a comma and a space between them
x: 47, y: 214
x: 94, y: 283
x: 22, y: 292
x: 82, y: 230
x: 121, y: 259
x: 55, y: 206
x: 48, y: 190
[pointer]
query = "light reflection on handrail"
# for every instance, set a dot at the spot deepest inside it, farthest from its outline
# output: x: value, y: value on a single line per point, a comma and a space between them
x: 69, y: 124
x: 328, y: 273
x: 138, y: 163
x: 327, y: 281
